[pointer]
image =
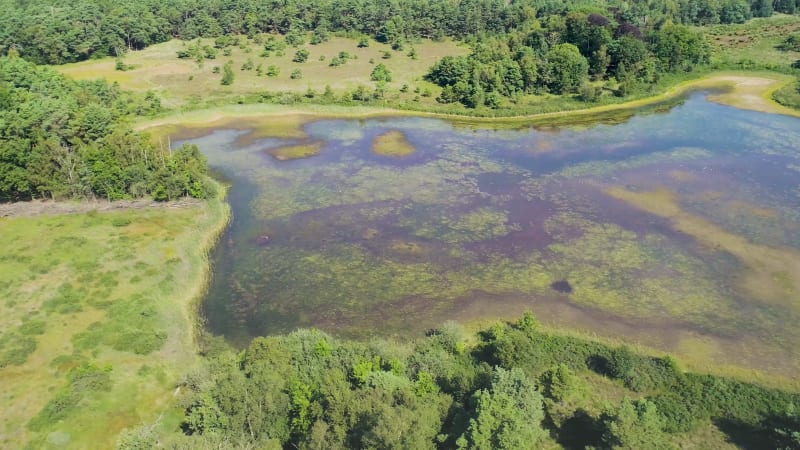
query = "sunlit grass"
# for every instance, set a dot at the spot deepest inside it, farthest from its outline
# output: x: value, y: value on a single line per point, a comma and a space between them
x: 183, y: 82
x: 113, y: 289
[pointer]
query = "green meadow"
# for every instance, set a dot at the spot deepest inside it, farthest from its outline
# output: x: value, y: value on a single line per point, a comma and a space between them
x: 97, y: 318
x: 187, y: 83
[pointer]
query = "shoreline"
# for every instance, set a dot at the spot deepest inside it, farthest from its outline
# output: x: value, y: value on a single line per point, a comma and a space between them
x: 744, y: 90
x: 221, y: 210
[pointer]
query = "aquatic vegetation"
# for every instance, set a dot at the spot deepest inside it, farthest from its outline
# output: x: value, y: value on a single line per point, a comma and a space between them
x: 393, y: 144
x: 605, y: 168
x: 477, y: 225
x: 299, y: 151
x: 651, y: 237
x: 762, y: 261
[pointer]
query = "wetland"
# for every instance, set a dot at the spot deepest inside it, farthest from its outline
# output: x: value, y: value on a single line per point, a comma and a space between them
x: 677, y: 229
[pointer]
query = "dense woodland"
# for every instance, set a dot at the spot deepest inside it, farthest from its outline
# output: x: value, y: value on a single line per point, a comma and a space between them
x: 64, y: 139
x: 558, y: 55
x: 46, y: 31
x: 515, y: 388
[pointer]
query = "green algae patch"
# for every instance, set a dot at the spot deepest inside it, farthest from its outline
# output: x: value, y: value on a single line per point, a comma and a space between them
x: 300, y: 151
x: 393, y: 144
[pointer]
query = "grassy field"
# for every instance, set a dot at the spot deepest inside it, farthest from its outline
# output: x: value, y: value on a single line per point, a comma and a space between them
x: 754, y: 43
x: 97, y: 320
x: 182, y: 82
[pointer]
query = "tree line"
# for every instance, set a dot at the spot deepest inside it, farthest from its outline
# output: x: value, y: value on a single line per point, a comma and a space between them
x: 47, y: 31
x: 515, y: 388
x: 65, y: 139
x: 560, y: 53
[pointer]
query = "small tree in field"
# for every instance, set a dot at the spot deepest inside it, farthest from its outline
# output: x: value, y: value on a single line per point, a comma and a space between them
x: 227, y: 74
x: 381, y: 73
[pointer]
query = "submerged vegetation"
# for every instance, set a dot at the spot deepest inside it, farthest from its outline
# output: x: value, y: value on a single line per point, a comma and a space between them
x: 477, y: 220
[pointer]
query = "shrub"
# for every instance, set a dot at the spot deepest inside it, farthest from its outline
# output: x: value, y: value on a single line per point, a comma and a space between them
x: 301, y: 56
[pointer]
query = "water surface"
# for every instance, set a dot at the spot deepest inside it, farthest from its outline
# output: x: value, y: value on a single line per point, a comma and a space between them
x: 679, y: 230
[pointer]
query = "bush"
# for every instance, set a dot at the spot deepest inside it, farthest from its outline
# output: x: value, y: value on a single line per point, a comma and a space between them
x: 301, y: 56
x: 296, y: 74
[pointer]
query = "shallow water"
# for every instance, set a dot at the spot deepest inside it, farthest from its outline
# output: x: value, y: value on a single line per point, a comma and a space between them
x: 679, y: 230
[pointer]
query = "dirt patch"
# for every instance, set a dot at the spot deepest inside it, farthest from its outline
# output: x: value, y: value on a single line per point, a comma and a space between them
x: 48, y: 207
x: 748, y: 92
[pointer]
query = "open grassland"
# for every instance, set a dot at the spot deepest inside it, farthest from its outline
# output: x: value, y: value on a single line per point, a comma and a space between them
x: 97, y: 318
x: 183, y: 82
x: 754, y: 43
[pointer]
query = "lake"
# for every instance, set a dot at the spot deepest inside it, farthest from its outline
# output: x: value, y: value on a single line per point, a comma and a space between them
x: 677, y: 229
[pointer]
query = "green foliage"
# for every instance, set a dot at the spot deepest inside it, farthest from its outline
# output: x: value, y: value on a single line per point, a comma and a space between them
x: 634, y: 425
x: 791, y: 43
x: 567, y: 68
x: 296, y: 75
x: 83, y: 381
x: 227, y: 74
x: 273, y: 70
x: 381, y: 74
x: 559, y: 383
x: 301, y: 56
x: 508, y: 415
x: 309, y: 390
x: 16, y: 348
x: 140, y: 438
x: 63, y: 140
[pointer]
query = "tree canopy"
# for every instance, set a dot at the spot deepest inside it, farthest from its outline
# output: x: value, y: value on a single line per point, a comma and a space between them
x: 48, y: 31
x: 66, y: 139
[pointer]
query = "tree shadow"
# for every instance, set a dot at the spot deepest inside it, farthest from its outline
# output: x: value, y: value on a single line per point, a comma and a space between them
x: 579, y: 431
x: 745, y: 436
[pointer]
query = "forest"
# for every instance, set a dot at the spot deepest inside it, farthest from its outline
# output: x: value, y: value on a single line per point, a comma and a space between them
x: 51, y: 32
x: 65, y: 139
x: 517, y: 386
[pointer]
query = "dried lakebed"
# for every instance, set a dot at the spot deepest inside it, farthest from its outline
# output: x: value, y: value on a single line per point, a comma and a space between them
x: 676, y: 229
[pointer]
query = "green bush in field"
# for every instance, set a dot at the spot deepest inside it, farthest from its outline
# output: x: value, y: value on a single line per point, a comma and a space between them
x: 791, y: 43
x: 301, y: 56
x: 83, y: 380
